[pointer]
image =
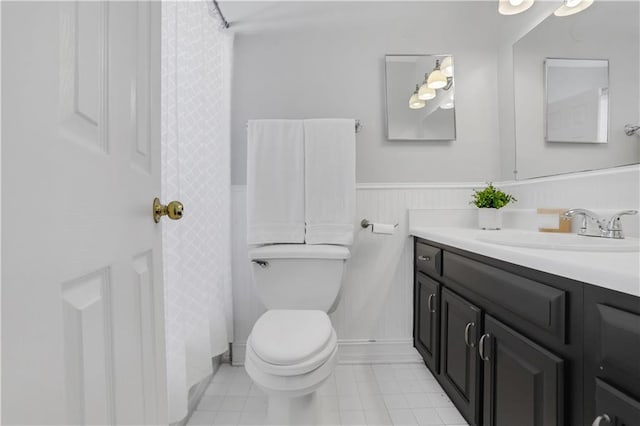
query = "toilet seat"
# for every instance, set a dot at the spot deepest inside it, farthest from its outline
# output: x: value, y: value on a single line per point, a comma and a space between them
x: 291, y: 337
x: 291, y: 352
x: 306, y: 366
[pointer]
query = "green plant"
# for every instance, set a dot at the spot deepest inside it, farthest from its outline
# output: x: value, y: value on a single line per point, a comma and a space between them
x: 491, y: 198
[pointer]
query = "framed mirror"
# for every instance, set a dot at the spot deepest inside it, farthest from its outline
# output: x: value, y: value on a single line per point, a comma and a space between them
x: 576, y: 100
x: 570, y: 114
x: 420, y: 97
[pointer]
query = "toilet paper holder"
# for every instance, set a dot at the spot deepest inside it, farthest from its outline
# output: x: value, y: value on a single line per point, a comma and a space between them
x: 365, y: 224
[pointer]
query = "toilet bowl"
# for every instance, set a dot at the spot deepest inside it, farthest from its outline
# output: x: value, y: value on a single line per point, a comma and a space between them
x: 292, y: 348
x: 289, y: 355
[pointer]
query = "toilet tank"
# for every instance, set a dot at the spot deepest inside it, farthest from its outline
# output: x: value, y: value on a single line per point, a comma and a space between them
x: 298, y: 276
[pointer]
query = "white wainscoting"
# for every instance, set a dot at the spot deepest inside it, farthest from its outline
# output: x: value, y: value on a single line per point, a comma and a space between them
x: 374, y: 319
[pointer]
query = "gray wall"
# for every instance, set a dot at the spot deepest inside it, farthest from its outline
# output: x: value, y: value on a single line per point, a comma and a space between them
x: 334, y: 67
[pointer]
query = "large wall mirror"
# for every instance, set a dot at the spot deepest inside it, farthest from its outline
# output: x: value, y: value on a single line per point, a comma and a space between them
x: 420, y: 97
x: 576, y: 86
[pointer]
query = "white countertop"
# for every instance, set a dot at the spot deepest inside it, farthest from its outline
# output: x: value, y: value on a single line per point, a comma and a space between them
x: 619, y: 271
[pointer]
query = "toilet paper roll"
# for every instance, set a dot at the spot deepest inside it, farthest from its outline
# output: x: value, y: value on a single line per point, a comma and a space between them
x: 383, y: 228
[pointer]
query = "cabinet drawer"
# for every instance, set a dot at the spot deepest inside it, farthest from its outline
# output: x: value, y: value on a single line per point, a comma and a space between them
x: 428, y: 259
x: 617, y: 347
x: 539, y: 304
x: 621, y: 409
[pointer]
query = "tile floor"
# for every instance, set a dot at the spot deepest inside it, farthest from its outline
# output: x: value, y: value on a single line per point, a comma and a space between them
x: 378, y: 394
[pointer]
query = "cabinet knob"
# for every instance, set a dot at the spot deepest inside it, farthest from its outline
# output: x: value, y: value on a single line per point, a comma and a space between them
x: 481, y: 351
x: 466, y: 335
x: 424, y: 258
x: 598, y: 421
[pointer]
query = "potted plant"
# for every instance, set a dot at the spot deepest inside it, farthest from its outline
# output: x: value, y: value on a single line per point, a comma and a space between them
x: 489, y: 202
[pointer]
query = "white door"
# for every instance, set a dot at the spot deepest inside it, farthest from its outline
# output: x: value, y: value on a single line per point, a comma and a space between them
x: 82, y: 296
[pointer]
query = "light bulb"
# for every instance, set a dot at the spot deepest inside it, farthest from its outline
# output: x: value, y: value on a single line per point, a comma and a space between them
x: 571, y: 7
x: 447, y: 66
x: 425, y: 93
x: 513, y: 7
x: 437, y: 80
x: 448, y: 101
x: 414, y: 102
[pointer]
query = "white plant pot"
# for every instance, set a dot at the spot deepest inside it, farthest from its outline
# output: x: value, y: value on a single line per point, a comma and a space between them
x: 489, y: 218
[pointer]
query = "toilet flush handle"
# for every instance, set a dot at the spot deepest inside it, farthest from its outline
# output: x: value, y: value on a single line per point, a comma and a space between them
x: 261, y: 263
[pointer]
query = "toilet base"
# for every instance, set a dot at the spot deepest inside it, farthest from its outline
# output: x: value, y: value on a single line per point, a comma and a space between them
x: 300, y: 410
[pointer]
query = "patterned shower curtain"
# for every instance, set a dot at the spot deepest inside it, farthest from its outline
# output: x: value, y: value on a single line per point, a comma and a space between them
x: 196, y: 86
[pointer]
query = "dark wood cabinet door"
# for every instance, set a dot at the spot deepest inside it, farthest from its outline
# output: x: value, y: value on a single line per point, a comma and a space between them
x: 611, y: 356
x: 614, y: 408
x: 523, y: 382
x: 459, y: 361
x: 427, y: 320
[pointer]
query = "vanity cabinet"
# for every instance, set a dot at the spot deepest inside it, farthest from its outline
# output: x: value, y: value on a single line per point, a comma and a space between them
x: 510, y: 338
x: 427, y: 320
x: 460, y: 369
x: 522, y: 382
x: 612, y: 358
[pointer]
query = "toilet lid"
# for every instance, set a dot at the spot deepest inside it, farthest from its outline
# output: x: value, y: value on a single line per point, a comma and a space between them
x: 286, y: 337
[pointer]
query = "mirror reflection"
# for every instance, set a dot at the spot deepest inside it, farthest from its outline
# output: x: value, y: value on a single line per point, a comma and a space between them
x: 420, y: 97
x: 556, y: 126
x: 577, y: 100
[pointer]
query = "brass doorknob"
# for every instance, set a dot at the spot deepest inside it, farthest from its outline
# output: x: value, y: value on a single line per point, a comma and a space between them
x: 173, y: 210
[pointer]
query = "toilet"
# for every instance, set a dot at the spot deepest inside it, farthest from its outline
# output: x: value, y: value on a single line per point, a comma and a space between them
x: 292, y: 349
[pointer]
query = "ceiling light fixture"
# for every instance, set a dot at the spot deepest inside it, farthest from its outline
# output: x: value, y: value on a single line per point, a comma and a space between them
x: 425, y: 93
x: 571, y: 7
x: 414, y: 102
x: 437, y: 80
x: 513, y: 7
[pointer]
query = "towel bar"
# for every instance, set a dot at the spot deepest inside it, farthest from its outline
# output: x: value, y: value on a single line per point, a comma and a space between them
x: 358, y: 126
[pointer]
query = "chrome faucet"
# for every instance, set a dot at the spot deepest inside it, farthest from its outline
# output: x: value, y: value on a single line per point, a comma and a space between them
x: 594, y: 226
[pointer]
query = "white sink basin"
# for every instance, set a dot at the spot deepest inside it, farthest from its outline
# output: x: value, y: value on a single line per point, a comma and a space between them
x: 555, y: 241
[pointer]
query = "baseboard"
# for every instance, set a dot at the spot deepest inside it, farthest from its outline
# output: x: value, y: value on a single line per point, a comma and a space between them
x: 377, y: 351
x: 359, y: 352
x: 197, y: 391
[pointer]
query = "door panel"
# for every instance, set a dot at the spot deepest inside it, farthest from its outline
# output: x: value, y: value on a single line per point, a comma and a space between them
x: 621, y: 409
x: 427, y: 333
x: 459, y: 360
x: 82, y: 317
x: 523, y: 382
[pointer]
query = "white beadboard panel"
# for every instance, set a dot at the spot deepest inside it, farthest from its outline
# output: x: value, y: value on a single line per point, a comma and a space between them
x: 376, y: 303
x: 246, y: 306
x: 376, y: 309
x: 615, y: 188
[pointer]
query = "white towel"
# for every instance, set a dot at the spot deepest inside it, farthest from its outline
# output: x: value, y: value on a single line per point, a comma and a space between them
x: 275, y: 181
x: 330, y: 180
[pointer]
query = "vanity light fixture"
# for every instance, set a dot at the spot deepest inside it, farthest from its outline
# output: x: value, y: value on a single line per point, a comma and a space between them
x: 571, y: 7
x: 414, y: 102
x: 447, y: 66
x: 513, y: 7
x: 437, y: 80
x: 425, y: 93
